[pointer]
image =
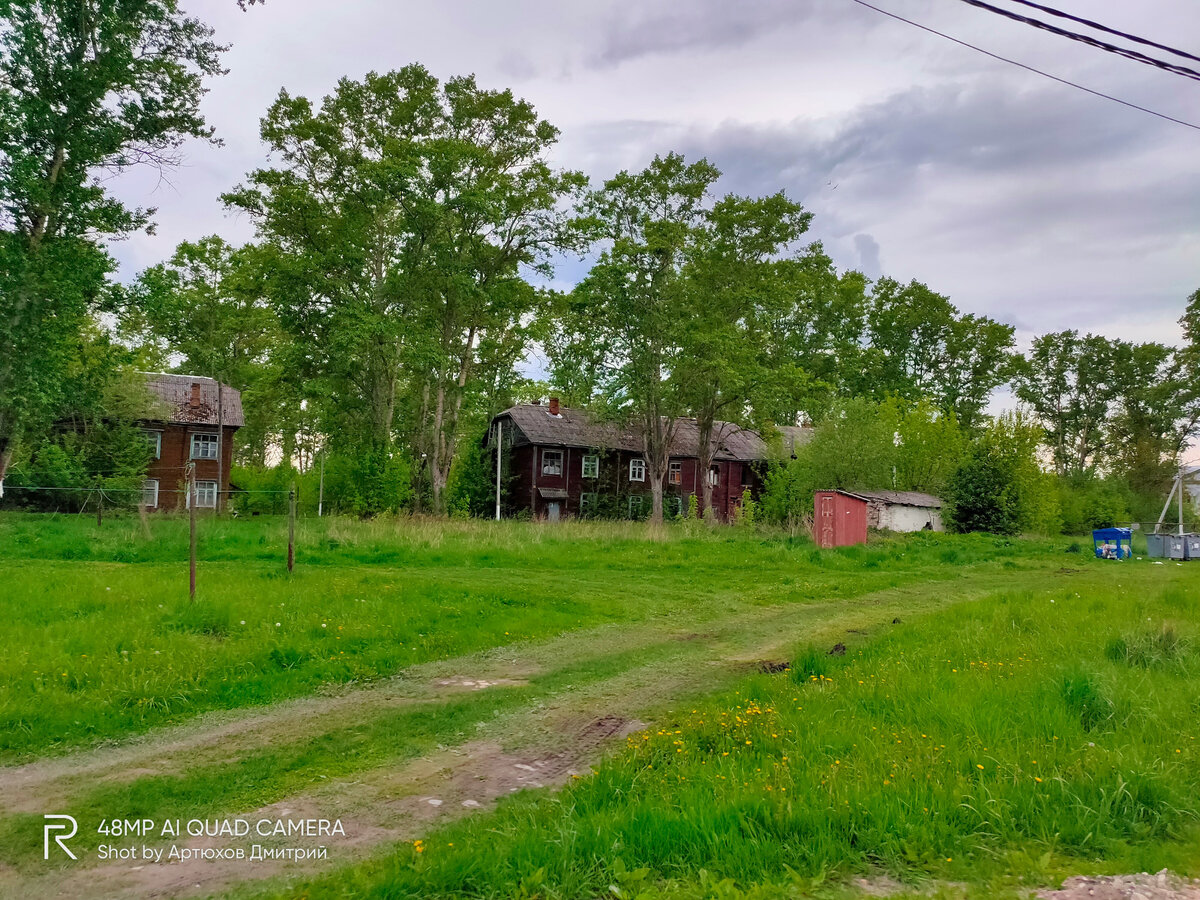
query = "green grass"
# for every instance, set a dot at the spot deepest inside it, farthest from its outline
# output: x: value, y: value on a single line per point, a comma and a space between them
x: 102, y: 641
x: 996, y: 744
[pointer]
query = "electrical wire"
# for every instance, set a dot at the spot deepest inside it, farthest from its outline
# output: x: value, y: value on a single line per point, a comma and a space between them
x: 1028, y: 68
x: 1136, y: 56
x: 1050, y: 10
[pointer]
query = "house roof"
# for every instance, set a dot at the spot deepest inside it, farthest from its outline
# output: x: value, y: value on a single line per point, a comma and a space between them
x: 192, y: 400
x: 901, y: 498
x: 577, y: 428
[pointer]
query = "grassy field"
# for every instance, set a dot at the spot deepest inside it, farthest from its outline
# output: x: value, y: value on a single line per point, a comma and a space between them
x: 1006, y: 711
x: 996, y: 746
x: 103, y: 641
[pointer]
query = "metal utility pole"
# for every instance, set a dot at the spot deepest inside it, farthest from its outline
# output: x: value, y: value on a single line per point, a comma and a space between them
x: 1179, y: 481
x: 499, y: 449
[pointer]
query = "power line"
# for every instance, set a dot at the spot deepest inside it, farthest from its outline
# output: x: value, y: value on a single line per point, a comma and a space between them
x: 1136, y: 56
x: 1026, y: 67
x: 1098, y: 27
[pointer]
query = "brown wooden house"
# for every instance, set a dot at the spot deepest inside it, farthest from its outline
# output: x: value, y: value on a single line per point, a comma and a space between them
x: 197, y: 426
x: 560, y: 462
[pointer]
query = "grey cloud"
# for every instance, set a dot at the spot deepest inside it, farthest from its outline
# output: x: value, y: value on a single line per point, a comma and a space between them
x: 868, y: 255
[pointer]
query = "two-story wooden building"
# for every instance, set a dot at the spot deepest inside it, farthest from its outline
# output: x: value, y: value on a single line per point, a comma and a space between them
x: 561, y: 462
x: 197, y: 427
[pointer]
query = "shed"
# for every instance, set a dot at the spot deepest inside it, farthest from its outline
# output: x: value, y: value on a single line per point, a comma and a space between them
x: 840, y: 519
x: 902, y: 510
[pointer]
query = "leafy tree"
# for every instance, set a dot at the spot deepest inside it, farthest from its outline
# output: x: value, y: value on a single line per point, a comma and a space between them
x: 1068, y: 382
x: 819, y: 329
x: 626, y: 321
x: 208, y: 307
x: 920, y: 346
x: 95, y: 444
x: 403, y: 212
x: 999, y: 486
x: 733, y: 294
x: 87, y: 89
x: 929, y: 444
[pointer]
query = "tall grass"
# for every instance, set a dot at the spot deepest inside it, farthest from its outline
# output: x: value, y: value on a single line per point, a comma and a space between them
x: 994, y: 743
x: 101, y: 639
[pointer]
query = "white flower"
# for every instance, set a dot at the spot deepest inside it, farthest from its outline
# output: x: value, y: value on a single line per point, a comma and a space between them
x: 277, y: 624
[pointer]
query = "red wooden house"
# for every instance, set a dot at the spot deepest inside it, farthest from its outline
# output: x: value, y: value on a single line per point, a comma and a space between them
x: 197, y: 426
x: 561, y: 462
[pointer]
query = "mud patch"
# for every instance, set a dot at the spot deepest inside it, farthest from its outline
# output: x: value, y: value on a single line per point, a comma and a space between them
x: 1162, y: 886
x: 772, y: 666
x: 478, y: 684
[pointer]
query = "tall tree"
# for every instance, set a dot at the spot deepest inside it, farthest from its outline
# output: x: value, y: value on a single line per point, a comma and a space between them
x: 88, y: 88
x: 404, y: 212
x: 207, y: 307
x: 734, y: 293
x: 628, y: 317
x: 921, y: 346
x: 1068, y: 383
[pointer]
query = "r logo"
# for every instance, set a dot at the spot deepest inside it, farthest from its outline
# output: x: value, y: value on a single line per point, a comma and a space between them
x: 58, y: 823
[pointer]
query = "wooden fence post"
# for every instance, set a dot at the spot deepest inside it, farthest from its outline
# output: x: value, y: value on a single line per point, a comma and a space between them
x: 191, y: 489
x: 292, y: 527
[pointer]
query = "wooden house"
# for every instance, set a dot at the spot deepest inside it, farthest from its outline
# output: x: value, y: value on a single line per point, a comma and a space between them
x: 561, y: 462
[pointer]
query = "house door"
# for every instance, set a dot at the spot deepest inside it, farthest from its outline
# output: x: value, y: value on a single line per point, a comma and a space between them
x: 826, y: 521
x: 553, y: 511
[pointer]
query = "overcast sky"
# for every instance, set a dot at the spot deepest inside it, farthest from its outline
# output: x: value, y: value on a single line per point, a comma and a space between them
x: 1018, y: 197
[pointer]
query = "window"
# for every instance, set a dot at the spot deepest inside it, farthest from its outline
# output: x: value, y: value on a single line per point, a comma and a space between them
x: 204, y: 446
x: 635, y: 506
x: 714, y: 475
x: 675, y: 473
x: 154, y: 442
x: 637, y: 470
x: 206, y: 495
x: 591, y: 467
x: 673, y: 506
x: 551, y: 462
x: 587, y: 504
x: 150, y: 493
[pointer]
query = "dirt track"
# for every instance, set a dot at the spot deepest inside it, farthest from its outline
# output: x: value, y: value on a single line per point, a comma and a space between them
x: 647, y: 668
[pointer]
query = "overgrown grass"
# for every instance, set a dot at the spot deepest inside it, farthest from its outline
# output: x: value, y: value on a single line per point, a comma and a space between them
x: 102, y: 641
x: 998, y: 744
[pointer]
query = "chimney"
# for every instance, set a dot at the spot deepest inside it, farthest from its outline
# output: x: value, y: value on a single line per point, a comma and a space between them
x: 554, y: 406
x: 195, y: 401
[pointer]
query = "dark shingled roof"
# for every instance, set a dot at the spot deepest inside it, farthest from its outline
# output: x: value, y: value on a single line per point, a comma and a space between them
x: 576, y: 428
x: 901, y: 498
x: 175, y: 391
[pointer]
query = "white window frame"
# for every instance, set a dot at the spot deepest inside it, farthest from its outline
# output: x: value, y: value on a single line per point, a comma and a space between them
x: 197, y: 444
x: 637, y: 465
x: 675, y: 473
x: 555, y: 468
x: 590, y: 467
x: 714, y: 475
x: 154, y: 439
x: 150, y: 489
x: 206, y: 495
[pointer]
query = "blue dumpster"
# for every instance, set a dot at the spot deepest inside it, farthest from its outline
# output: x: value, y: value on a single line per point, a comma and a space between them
x: 1112, y: 543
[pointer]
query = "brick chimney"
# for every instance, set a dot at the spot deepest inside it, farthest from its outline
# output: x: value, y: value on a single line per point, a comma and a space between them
x: 554, y: 406
x: 195, y: 402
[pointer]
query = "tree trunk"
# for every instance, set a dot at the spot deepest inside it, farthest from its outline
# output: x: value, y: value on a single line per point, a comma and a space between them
x: 6, y: 452
x: 704, y: 457
x: 656, y: 498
